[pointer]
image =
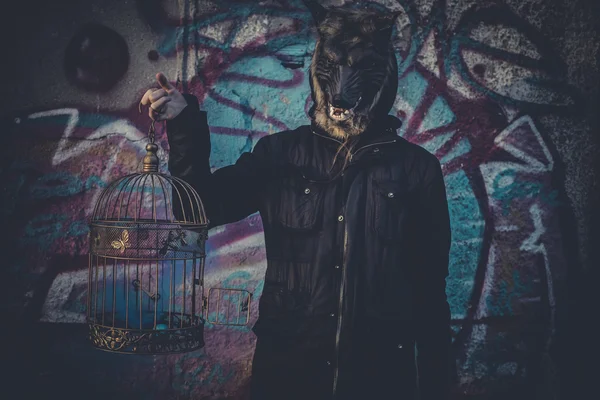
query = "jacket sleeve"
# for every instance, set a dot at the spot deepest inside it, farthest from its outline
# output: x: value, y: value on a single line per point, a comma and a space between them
x: 433, y: 335
x: 228, y: 194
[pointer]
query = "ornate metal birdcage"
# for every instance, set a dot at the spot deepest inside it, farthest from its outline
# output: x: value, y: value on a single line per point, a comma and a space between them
x: 146, y: 266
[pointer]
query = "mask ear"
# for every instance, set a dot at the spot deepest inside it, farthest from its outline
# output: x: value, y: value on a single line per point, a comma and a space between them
x: 318, y: 11
x: 386, y: 23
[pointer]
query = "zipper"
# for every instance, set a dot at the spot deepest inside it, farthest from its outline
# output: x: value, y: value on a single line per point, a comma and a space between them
x: 343, y: 285
x: 326, y: 137
x: 340, y: 309
x: 364, y: 147
x: 343, y: 265
x: 360, y: 148
x: 369, y: 145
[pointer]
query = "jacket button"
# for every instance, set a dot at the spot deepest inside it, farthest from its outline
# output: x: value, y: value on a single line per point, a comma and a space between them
x: 399, y: 346
x: 307, y: 191
x: 337, y: 267
x: 376, y: 150
x: 328, y: 362
x: 391, y: 195
x: 341, y: 218
x: 332, y: 315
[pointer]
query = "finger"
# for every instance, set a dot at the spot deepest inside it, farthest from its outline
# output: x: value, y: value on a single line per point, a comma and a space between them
x: 164, y: 82
x: 154, y: 114
x: 159, y: 104
x: 157, y: 94
x: 146, y: 97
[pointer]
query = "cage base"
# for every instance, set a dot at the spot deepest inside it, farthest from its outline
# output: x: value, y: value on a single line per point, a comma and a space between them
x: 178, y: 339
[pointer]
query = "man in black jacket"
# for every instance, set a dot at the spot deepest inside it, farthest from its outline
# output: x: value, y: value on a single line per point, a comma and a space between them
x: 356, y: 226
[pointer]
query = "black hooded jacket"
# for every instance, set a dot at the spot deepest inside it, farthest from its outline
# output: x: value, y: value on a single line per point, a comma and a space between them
x: 354, y: 300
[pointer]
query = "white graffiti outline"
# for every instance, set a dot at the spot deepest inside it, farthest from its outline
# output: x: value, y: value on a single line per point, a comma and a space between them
x: 64, y: 152
x: 532, y: 164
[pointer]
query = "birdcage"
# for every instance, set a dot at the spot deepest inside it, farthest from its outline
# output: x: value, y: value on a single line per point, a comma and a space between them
x: 146, y: 266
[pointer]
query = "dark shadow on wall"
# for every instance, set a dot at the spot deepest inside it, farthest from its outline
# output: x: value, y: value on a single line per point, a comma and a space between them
x: 55, y: 361
x: 569, y: 301
x: 581, y: 337
x: 152, y: 12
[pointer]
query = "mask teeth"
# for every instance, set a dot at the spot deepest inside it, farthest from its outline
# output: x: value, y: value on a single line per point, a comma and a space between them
x: 342, y: 115
x: 342, y: 110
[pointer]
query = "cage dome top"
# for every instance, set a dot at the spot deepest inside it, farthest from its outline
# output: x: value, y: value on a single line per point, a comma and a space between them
x: 150, y: 197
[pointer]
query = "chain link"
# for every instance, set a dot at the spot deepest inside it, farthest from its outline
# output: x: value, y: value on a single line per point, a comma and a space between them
x: 152, y: 131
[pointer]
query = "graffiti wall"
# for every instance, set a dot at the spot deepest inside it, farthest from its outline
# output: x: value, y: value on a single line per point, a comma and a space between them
x: 499, y: 91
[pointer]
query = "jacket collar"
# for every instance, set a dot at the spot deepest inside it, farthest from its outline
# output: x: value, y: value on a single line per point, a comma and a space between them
x: 380, y: 130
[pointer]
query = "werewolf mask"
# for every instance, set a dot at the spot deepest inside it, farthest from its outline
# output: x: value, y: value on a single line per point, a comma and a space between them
x: 353, y: 73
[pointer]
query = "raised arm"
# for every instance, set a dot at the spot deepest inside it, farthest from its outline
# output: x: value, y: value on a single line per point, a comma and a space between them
x: 230, y: 193
x: 431, y: 307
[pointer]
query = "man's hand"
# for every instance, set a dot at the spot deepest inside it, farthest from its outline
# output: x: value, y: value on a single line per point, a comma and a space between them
x: 165, y: 103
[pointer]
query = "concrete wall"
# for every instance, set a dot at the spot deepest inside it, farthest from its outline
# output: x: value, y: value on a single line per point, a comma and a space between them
x: 505, y: 93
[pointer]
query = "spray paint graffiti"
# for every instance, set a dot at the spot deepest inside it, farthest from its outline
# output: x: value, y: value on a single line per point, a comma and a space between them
x: 471, y: 85
x: 82, y: 162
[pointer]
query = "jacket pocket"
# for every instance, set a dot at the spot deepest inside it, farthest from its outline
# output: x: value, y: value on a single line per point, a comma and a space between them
x: 300, y: 204
x: 391, y: 201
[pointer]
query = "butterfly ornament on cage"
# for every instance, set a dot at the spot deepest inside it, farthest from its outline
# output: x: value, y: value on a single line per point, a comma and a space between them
x: 123, y: 242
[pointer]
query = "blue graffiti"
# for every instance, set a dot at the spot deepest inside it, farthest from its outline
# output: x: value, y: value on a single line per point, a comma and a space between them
x: 181, y: 374
x: 467, y: 242
x: 57, y: 184
x: 520, y: 190
x: 62, y: 184
x: 44, y: 230
x: 507, y: 294
x: 217, y: 373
